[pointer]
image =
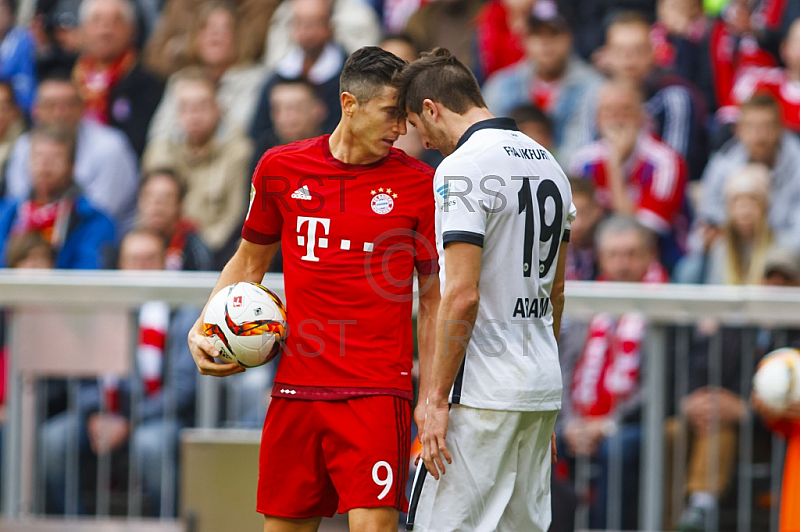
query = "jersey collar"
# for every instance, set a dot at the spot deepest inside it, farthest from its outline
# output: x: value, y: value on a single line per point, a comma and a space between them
x: 491, y: 123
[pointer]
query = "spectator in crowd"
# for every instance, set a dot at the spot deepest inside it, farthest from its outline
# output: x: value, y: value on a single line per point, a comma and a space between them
x: 160, y: 211
x: 551, y: 78
x: 680, y: 40
x: 502, y: 25
x: 602, y: 397
x: 57, y: 36
x: 716, y: 402
x: 296, y: 113
x: 760, y: 138
x: 734, y: 49
x: 535, y: 123
x: 56, y: 208
x: 213, y: 158
x: 17, y: 56
x: 351, y: 23
x: 736, y: 256
x: 105, y: 164
x: 117, y: 89
x: 315, y: 57
x: 581, y: 252
x: 677, y: 109
x: 633, y: 172
x: 401, y: 45
x: 11, y: 127
x: 165, y: 386
x: 168, y: 49
x: 213, y: 46
x: 782, y: 83
x: 447, y: 24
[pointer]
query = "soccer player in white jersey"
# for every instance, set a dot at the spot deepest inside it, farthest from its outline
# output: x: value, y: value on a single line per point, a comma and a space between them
x: 504, y: 209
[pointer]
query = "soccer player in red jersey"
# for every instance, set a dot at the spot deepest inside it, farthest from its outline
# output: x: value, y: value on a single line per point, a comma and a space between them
x: 355, y: 218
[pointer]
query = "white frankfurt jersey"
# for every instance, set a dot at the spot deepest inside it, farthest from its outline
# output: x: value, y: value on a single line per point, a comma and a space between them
x: 504, y: 192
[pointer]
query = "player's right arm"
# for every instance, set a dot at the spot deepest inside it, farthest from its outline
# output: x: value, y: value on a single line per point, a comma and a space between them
x: 249, y: 263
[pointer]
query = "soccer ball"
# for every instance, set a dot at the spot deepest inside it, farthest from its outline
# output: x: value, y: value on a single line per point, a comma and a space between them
x: 246, y: 322
x: 777, y: 379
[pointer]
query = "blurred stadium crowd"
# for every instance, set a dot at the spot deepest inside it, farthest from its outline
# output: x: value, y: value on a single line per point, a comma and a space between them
x: 129, y: 130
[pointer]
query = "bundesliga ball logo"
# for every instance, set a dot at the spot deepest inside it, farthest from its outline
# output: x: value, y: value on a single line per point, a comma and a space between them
x: 382, y: 203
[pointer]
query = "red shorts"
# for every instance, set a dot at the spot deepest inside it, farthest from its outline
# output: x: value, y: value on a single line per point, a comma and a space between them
x: 320, y: 456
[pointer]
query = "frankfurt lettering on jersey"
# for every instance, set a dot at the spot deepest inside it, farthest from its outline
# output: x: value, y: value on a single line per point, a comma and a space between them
x: 526, y: 153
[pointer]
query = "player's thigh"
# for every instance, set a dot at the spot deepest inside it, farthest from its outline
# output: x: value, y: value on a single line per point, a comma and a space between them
x: 474, y: 491
x: 367, y: 449
x: 373, y: 519
x: 279, y: 524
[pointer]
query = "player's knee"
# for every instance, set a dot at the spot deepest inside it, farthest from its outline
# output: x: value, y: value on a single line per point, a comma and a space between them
x: 383, y: 519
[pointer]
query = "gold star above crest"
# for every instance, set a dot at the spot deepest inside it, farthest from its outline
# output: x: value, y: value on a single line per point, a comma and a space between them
x: 380, y: 189
x: 394, y: 196
x: 373, y: 192
x: 388, y: 190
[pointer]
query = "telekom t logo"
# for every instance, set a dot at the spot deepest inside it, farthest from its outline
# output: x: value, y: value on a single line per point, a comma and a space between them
x: 310, y: 241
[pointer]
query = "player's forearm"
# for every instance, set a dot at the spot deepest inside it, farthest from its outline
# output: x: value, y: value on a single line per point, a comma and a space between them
x: 558, y: 310
x: 557, y: 297
x: 457, y: 313
x: 426, y: 332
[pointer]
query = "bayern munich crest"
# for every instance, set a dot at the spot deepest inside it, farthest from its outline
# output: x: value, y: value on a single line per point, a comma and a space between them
x: 382, y: 201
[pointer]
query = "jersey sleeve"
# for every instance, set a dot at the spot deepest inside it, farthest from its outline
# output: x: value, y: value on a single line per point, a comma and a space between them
x: 264, y: 221
x: 571, y: 214
x: 427, y: 259
x: 464, y: 202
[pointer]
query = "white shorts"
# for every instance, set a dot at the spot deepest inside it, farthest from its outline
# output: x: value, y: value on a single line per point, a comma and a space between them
x: 499, y: 479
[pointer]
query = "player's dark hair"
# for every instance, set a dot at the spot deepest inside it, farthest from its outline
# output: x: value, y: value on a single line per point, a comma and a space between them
x: 582, y: 187
x: 530, y: 113
x: 367, y: 71
x: 55, y: 134
x: 439, y: 76
x: 762, y: 100
x: 171, y: 174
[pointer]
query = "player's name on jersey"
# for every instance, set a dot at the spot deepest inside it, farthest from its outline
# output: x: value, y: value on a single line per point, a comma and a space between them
x: 531, y: 308
x: 537, y: 154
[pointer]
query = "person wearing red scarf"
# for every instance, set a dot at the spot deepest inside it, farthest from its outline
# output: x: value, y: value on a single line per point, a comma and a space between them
x: 602, y: 390
x: 116, y: 89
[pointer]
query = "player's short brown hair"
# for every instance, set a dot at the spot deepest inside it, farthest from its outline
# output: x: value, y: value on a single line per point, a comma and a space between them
x: 439, y: 76
x: 367, y: 71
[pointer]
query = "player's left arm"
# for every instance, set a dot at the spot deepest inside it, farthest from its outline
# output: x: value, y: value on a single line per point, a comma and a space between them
x: 458, y: 310
x: 557, y: 297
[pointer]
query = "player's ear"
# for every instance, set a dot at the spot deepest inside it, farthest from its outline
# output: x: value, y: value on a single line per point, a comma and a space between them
x: 431, y: 109
x: 349, y: 103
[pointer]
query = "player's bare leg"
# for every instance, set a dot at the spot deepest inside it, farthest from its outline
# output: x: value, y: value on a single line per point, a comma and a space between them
x: 279, y: 524
x: 373, y: 519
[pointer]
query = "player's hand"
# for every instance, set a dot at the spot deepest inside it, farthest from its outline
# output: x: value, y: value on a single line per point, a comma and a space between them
x: 553, y: 448
x: 204, y: 353
x: 437, y: 416
x: 107, y: 432
x: 419, y: 419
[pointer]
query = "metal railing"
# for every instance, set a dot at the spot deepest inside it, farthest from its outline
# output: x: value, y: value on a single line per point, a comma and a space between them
x: 663, y: 305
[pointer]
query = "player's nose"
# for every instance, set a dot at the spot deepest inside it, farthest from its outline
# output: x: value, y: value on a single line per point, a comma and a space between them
x: 401, y: 128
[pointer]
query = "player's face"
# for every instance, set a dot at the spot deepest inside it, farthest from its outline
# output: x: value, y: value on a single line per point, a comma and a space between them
x: 624, y: 257
x: 378, y: 123
x: 433, y: 136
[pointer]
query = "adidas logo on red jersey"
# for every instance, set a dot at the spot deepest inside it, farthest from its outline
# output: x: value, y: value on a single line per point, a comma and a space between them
x: 302, y: 193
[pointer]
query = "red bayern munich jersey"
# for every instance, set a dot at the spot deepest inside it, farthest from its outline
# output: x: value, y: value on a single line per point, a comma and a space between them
x: 351, y: 237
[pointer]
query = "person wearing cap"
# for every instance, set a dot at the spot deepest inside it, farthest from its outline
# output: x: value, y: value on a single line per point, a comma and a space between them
x: 550, y: 77
x: 736, y: 256
x: 716, y: 404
